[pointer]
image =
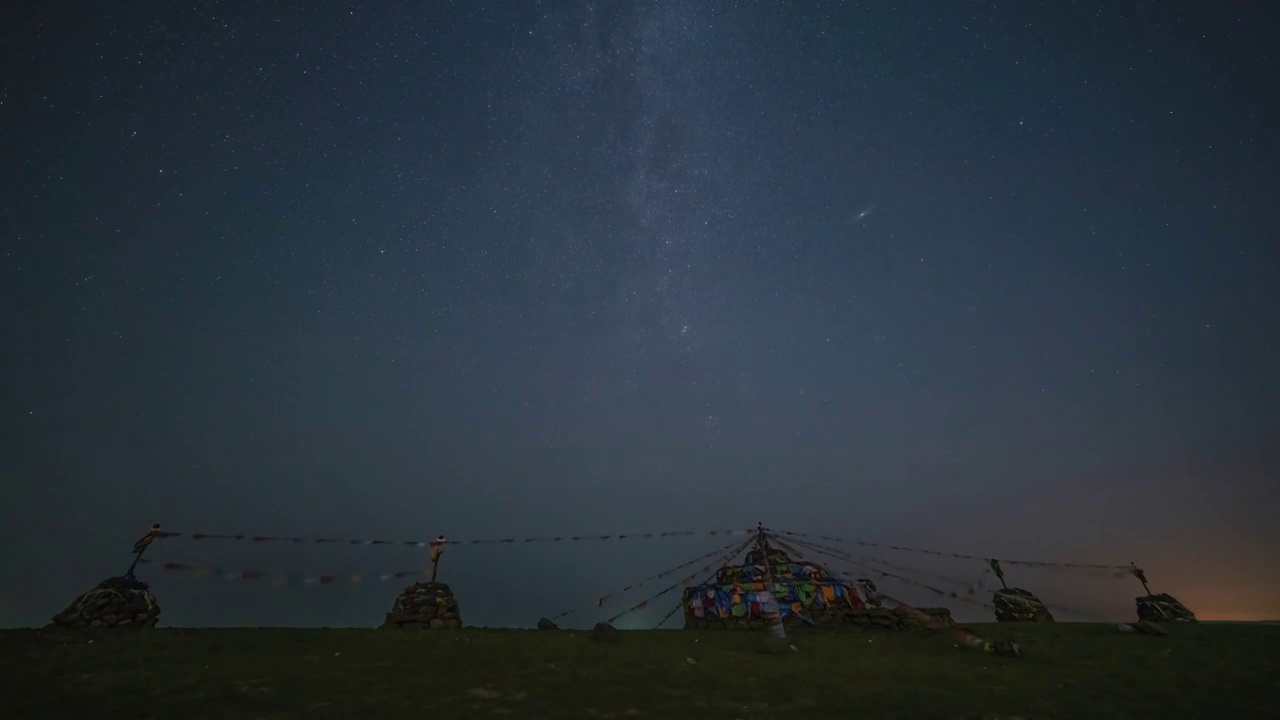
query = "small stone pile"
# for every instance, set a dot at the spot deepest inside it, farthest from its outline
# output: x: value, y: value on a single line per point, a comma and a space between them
x: 1163, y: 608
x: 1018, y: 605
x: 114, y: 602
x: 425, y: 606
x: 830, y: 617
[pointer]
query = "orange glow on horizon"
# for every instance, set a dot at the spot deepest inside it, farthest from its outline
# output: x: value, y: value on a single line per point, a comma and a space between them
x: 1233, y: 616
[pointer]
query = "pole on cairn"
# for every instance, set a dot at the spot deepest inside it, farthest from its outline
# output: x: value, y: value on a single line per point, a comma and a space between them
x: 437, y: 549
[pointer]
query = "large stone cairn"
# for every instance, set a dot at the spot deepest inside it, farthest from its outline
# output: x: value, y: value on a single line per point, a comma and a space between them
x: 1163, y: 608
x: 114, y: 602
x: 1018, y: 605
x: 828, y: 614
x: 425, y: 606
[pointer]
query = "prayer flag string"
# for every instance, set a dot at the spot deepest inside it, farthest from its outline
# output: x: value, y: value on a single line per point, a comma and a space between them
x: 600, y: 601
x: 479, y: 541
x: 680, y: 602
x: 692, y: 577
x: 284, y: 579
x: 844, y: 557
x: 940, y: 553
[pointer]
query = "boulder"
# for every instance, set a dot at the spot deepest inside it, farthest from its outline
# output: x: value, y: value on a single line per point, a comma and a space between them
x: 116, y: 602
x: 425, y: 606
x: 604, y: 632
x: 1142, y: 627
x: 933, y: 618
x: 1018, y: 605
x: 1004, y: 648
x: 1163, y: 608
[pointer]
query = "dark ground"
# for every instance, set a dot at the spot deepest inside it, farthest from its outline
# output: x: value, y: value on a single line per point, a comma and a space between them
x: 1223, y: 672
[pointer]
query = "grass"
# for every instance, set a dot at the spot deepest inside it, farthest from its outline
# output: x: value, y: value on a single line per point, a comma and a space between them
x: 1068, y: 671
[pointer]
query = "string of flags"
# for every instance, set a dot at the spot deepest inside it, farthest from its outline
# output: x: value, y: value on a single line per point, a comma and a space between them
x: 940, y: 553
x: 325, y: 579
x: 155, y: 533
x: 600, y: 601
x: 993, y: 570
x: 971, y: 585
x: 670, y: 613
x: 739, y: 547
x: 283, y: 579
x: 676, y: 608
x: 686, y: 580
x: 478, y: 541
x: 871, y: 565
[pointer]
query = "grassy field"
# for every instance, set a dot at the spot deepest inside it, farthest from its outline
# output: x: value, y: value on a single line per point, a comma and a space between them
x: 1068, y: 671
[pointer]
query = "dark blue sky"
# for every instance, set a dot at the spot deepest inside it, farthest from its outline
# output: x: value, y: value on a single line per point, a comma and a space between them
x: 992, y: 278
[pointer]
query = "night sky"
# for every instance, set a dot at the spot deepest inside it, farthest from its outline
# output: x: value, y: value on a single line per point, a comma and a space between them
x: 990, y: 278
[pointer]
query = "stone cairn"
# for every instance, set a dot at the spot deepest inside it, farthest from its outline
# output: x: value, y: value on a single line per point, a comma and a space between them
x: 425, y: 606
x: 818, y: 609
x: 1018, y: 605
x: 114, y: 602
x: 1163, y: 608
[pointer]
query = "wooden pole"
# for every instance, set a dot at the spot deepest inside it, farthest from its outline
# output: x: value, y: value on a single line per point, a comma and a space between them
x: 437, y: 549
x: 776, y: 628
x: 140, y: 547
x: 1142, y: 577
x: 995, y: 566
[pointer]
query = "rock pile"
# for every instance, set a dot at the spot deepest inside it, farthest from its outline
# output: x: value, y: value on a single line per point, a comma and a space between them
x: 1163, y: 608
x: 831, y: 617
x: 114, y: 602
x: 1018, y: 605
x: 425, y: 606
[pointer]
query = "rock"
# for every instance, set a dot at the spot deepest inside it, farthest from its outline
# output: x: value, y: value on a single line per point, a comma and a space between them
x: 1163, y: 608
x: 1004, y: 648
x: 1143, y: 627
x: 424, y: 606
x: 545, y: 624
x: 1018, y: 605
x: 935, y: 618
x: 114, y: 602
x: 604, y: 632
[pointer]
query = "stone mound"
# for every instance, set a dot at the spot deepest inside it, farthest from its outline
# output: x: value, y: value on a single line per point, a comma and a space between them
x: 114, y: 602
x: 1018, y: 605
x: 425, y: 606
x: 1163, y: 608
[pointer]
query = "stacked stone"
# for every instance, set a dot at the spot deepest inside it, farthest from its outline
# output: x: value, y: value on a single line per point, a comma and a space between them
x: 114, y: 602
x: 1163, y: 608
x: 425, y: 606
x: 832, y: 616
x: 1018, y: 605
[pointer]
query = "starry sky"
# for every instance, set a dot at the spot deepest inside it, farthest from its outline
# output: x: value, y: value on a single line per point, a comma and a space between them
x: 991, y: 278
